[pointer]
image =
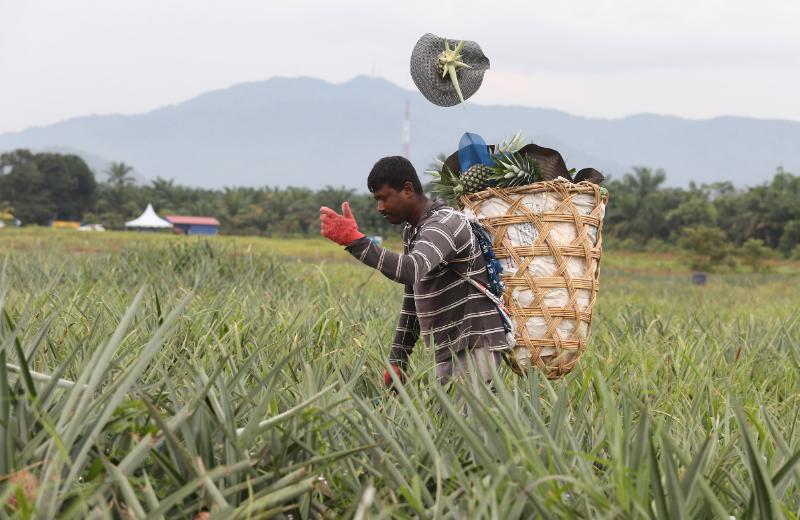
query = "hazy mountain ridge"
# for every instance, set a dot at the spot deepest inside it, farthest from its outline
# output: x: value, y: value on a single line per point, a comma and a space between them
x: 307, y: 132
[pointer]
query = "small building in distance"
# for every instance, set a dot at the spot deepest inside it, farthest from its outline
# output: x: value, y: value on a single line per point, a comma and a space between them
x: 193, y: 225
x: 65, y: 224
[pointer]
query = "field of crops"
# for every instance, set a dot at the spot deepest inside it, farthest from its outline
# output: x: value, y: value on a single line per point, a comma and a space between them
x: 162, y: 377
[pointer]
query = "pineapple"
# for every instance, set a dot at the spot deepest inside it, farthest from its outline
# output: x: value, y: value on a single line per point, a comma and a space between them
x: 476, y: 178
x: 510, y: 169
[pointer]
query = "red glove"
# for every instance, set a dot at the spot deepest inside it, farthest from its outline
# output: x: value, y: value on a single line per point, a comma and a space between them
x: 342, y: 229
x: 387, y: 377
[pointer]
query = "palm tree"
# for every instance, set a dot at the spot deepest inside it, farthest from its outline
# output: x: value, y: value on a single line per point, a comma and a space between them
x: 644, y: 181
x: 632, y: 194
x: 118, y: 174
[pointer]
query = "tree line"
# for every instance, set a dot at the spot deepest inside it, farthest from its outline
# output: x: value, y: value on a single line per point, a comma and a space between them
x: 39, y: 188
x: 642, y: 213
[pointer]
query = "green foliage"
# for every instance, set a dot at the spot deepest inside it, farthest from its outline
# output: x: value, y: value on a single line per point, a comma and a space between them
x: 656, y: 245
x: 119, y: 175
x: 641, y: 209
x: 708, y: 246
x: 42, y: 187
x: 243, y: 210
x: 46, y: 186
x: 694, y: 209
x: 790, y: 237
x: 753, y: 253
x: 761, y: 212
x: 248, y: 384
x: 638, y: 206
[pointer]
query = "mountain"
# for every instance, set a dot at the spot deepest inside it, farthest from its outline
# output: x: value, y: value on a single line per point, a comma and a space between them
x: 307, y: 132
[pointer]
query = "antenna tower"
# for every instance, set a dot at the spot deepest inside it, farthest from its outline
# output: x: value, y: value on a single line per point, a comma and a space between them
x: 407, y: 132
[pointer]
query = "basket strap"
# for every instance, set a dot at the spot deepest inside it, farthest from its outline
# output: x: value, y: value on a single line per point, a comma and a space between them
x: 508, y: 323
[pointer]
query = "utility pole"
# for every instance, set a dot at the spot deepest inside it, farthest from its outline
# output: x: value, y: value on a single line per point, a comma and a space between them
x: 407, y: 132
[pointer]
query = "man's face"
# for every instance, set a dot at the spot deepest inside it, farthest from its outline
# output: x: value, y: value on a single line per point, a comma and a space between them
x: 394, y: 204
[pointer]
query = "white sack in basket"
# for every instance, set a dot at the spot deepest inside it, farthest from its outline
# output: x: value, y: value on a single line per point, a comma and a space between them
x: 545, y: 266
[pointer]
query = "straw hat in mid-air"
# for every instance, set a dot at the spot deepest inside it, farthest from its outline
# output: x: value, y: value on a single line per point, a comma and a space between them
x: 447, y: 71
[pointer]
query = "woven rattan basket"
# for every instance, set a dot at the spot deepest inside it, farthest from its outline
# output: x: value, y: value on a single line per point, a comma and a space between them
x: 547, y: 237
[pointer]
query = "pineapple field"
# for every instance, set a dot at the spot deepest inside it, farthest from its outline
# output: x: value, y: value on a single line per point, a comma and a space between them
x: 154, y: 376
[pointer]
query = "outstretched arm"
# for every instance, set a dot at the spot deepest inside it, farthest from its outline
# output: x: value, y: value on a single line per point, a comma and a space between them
x: 438, y: 242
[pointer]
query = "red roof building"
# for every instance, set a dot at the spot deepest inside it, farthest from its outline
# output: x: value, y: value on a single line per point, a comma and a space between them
x: 200, y: 221
x: 194, y: 225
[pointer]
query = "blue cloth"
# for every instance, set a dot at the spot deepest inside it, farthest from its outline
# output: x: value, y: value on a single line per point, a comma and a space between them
x: 493, y: 271
x: 493, y: 267
x: 472, y: 150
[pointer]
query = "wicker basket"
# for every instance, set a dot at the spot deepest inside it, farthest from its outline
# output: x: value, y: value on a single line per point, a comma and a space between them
x: 547, y: 236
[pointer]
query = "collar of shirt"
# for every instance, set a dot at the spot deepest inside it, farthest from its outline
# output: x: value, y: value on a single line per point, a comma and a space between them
x: 412, y: 231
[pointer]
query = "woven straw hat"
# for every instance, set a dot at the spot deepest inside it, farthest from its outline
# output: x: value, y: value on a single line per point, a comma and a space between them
x: 427, y: 74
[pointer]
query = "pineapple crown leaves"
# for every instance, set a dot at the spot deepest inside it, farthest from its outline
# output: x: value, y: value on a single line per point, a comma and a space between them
x: 511, y: 168
x: 436, y: 167
x: 511, y: 144
x: 446, y: 183
x: 450, y: 62
x: 515, y: 169
x: 442, y: 173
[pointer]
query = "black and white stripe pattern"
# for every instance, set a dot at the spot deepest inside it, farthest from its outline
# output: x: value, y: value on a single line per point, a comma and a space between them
x: 438, y: 304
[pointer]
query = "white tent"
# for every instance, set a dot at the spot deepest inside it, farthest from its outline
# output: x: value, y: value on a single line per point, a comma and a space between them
x: 148, y: 220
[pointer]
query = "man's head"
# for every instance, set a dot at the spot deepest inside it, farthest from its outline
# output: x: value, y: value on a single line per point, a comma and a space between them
x: 395, y: 185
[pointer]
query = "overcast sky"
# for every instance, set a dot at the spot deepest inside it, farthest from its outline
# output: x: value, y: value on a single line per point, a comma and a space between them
x: 598, y: 58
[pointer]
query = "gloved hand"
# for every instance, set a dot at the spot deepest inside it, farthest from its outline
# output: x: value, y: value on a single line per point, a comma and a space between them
x: 342, y: 229
x: 387, y: 377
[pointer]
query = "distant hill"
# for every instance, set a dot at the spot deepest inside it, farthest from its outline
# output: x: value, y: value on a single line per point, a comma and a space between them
x: 307, y: 132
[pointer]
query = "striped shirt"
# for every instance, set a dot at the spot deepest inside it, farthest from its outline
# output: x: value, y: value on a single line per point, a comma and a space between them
x: 438, y: 304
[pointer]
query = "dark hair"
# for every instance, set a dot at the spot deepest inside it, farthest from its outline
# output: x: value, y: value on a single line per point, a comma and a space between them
x: 395, y: 172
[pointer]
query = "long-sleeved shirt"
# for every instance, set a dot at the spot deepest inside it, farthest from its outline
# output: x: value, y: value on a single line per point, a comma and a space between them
x: 438, y: 303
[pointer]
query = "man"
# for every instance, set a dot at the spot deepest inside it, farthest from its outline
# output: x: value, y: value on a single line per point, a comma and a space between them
x: 439, y: 251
